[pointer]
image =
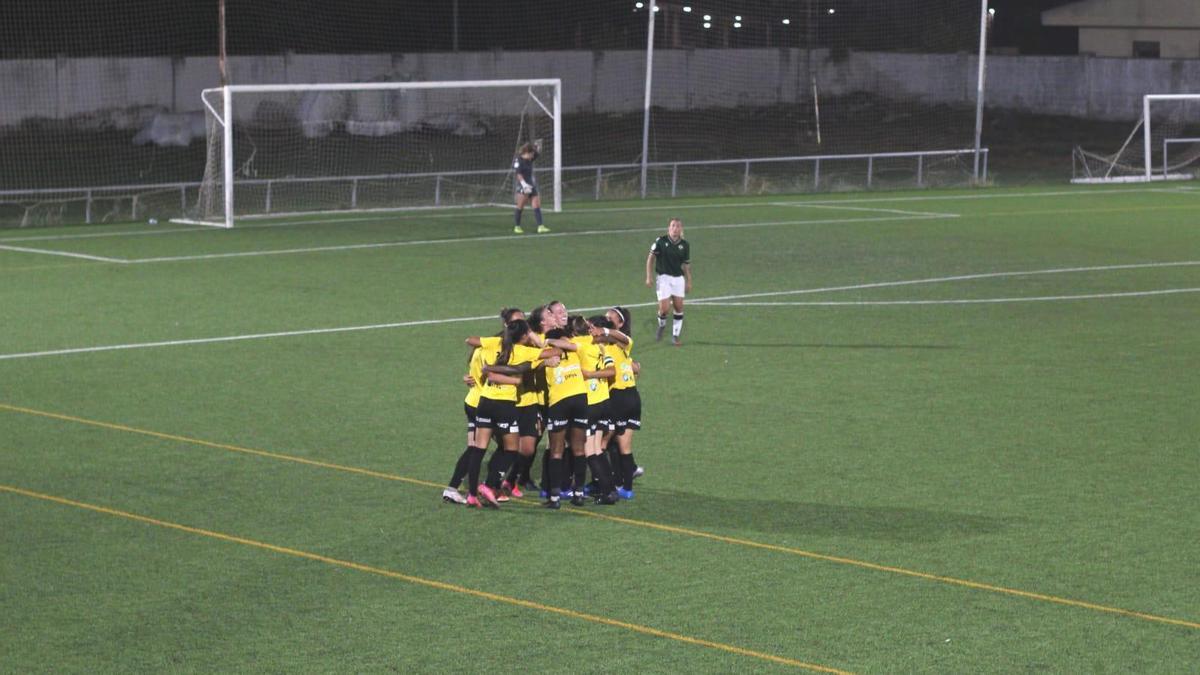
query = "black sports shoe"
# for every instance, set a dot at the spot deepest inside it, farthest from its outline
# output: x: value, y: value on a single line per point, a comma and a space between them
x: 577, y: 499
x: 608, y: 499
x: 552, y: 504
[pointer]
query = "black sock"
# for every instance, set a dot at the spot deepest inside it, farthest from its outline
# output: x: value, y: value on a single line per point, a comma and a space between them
x: 537, y: 215
x: 602, y: 471
x: 473, y: 466
x: 517, y: 217
x: 501, y: 460
x: 460, y: 468
x: 580, y: 467
x: 554, y: 470
x: 614, y: 459
x: 526, y: 465
x: 627, y: 469
x: 546, y: 484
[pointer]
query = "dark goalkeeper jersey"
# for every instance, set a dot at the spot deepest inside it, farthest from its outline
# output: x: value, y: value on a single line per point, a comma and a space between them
x: 670, y: 256
x: 525, y: 167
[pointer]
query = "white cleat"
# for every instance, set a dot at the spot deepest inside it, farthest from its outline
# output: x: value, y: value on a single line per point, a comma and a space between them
x: 639, y: 472
x: 453, y: 496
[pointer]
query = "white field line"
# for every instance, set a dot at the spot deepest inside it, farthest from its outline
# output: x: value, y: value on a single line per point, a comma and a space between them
x: 278, y: 334
x: 514, y: 237
x: 973, y: 301
x: 869, y: 209
x: 65, y: 254
x: 937, y: 280
x: 429, y: 322
x: 617, y: 209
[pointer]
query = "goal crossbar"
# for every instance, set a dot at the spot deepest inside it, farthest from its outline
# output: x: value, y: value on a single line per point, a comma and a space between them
x: 225, y: 118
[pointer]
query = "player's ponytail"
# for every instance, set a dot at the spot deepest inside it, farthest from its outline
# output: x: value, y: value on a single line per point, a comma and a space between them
x: 513, y: 333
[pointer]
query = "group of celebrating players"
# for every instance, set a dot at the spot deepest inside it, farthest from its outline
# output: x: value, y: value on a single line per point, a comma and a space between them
x: 565, y: 376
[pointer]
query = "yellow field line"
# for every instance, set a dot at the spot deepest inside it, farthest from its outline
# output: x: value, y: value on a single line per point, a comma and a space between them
x: 966, y: 583
x: 430, y: 583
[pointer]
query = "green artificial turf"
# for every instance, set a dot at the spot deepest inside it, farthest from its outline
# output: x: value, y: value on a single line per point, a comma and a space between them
x: 1000, y: 479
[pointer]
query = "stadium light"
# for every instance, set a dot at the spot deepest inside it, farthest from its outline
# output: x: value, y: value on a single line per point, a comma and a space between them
x: 832, y: 10
x: 787, y: 22
x: 737, y: 24
x: 687, y: 9
x: 638, y: 5
x: 992, y: 12
x: 656, y: 8
x: 738, y: 17
x: 708, y: 17
x: 707, y: 24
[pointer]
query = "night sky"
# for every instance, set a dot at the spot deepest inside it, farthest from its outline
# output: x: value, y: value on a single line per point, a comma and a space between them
x: 47, y: 28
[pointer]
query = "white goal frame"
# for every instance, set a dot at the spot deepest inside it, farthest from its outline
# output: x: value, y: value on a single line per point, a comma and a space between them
x: 225, y: 119
x: 1145, y: 173
x: 1146, y: 101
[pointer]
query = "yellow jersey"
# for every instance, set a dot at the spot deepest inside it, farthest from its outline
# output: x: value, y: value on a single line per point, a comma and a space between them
x: 532, y: 390
x: 508, y: 392
x: 488, y: 347
x: 565, y: 380
x: 623, y: 360
x: 593, y: 355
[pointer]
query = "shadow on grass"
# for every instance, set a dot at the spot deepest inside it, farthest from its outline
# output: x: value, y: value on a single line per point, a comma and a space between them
x: 713, y: 513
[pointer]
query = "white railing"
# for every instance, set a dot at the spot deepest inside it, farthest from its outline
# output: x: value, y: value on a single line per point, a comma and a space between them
x: 137, y: 193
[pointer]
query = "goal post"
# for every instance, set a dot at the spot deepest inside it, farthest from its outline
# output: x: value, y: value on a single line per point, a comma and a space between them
x: 297, y: 149
x: 1165, y: 120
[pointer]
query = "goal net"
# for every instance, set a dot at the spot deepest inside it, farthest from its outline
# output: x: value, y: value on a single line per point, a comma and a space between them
x: 1163, y: 145
x: 315, y: 148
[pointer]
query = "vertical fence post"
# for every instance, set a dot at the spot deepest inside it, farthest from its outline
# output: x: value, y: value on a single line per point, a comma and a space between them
x: 817, y: 173
x: 183, y: 198
x: 598, y: 170
x: 87, y: 210
x: 674, y: 178
x: 354, y: 193
x: 920, y: 167
x: 437, y: 190
x: 870, y: 170
x: 268, y: 204
x: 746, y: 179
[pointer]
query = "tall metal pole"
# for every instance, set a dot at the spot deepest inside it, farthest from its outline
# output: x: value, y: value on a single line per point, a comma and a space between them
x: 646, y: 104
x: 221, y: 67
x: 455, y: 9
x: 983, y: 25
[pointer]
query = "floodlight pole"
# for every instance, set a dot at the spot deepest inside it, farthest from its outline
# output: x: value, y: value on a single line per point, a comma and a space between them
x: 646, y: 105
x: 983, y: 21
x: 221, y: 67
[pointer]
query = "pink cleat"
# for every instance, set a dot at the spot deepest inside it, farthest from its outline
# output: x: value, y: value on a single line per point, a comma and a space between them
x: 472, y: 501
x: 488, y: 497
x: 512, y: 489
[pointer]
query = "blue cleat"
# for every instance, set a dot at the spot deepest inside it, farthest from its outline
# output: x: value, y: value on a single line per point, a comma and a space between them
x: 624, y: 494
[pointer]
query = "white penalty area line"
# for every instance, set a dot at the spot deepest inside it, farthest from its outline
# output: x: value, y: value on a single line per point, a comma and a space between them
x: 376, y: 217
x: 938, y: 280
x: 713, y: 301
x: 516, y: 237
x: 64, y: 254
x: 972, y: 301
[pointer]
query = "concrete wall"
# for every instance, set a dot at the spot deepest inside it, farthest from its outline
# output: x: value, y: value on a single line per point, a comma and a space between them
x: 122, y: 91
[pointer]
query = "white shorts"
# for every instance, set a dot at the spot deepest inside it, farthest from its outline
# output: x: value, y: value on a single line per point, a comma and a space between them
x: 668, y: 286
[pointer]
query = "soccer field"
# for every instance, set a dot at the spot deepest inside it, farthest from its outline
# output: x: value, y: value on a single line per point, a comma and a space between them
x: 907, y: 432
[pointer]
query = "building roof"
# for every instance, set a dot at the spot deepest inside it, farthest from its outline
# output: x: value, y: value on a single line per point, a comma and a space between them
x: 1182, y: 14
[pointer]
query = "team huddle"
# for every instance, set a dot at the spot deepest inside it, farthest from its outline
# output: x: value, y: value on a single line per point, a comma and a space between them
x: 565, y: 376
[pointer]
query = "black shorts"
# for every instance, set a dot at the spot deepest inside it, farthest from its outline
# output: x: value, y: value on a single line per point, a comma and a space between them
x: 531, y: 195
x: 498, y: 415
x: 599, y: 418
x: 528, y: 417
x: 626, y: 408
x: 470, y: 417
x: 572, y: 412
